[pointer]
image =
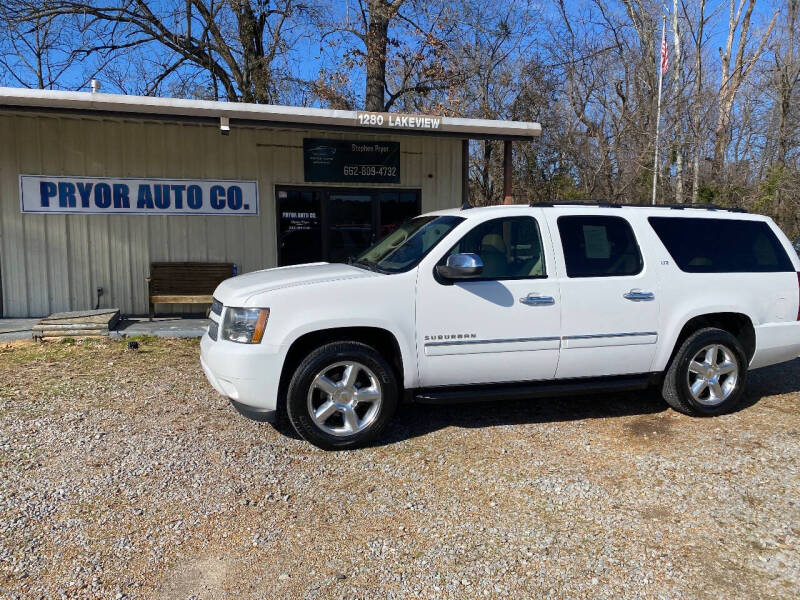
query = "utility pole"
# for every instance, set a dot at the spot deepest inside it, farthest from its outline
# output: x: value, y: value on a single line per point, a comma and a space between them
x: 662, y: 68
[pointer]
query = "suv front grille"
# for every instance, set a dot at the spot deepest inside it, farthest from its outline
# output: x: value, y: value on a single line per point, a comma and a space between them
x: 216, y: 306
x: 213, y: 330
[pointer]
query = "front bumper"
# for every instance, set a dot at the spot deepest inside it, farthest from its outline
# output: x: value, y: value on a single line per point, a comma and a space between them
x: 247, y: 374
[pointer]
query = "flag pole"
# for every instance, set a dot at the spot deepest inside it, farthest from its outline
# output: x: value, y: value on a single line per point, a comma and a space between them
x: 658, y: 111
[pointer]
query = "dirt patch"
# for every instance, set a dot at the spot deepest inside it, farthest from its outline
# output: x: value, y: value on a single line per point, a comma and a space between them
x: 196, y: 578
x: 650, y: 428
x: 657, y: 513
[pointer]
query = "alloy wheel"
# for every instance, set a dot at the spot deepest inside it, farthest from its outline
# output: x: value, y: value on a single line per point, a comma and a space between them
x: 344, y: 398
x: 712, y: 375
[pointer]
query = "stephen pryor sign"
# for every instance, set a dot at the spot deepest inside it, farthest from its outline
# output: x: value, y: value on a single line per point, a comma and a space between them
x: 351, y: 162
x: 120, y: 195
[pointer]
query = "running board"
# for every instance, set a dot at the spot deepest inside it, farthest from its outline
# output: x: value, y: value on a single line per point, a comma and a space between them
x: 532, y: 390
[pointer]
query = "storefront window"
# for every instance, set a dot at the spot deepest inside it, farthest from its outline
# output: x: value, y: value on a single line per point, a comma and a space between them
x: 335, y: 225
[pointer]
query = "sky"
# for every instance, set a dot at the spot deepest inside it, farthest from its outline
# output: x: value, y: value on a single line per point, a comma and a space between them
x: 309, y: 54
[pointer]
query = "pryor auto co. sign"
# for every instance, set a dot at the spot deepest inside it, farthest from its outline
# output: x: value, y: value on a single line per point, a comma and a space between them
x: 124, y: 195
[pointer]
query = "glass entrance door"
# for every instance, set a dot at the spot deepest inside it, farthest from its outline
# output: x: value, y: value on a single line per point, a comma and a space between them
x: 332, y: 224
x: 350, y: 227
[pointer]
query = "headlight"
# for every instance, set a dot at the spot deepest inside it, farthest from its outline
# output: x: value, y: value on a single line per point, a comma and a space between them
x: 244, y: 325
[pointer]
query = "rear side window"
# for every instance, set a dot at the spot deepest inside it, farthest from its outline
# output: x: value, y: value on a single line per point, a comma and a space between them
x: 721, y: 245
x: 599, y: 246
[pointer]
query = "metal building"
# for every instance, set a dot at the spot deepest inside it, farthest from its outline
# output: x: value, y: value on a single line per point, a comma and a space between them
x: 95, y: 187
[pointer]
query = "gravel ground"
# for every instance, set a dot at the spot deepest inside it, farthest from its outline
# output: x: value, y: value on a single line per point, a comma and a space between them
x: 125, y: 476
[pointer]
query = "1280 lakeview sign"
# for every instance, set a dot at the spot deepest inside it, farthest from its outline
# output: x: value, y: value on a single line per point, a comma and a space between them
x: 122, y: 195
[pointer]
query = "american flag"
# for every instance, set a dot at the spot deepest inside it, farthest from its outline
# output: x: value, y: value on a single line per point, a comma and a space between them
x: 664, y: 52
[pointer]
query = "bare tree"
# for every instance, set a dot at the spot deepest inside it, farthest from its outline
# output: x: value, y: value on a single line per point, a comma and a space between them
x: 376, y: 41
x: 780, y: 192
x: 732, y: 74
x: 697, y: 29
x: 401, y: 46
x: 610, y: 84
x: 787, y: 71
x: 239, y: 45
x: 494, y: 51
x: 42, y: 51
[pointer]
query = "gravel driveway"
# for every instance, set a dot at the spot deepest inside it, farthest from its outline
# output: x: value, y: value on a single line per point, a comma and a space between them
x: 125, y: 476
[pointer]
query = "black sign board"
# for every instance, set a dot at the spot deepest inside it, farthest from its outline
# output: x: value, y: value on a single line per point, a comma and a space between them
x: 351, y: 162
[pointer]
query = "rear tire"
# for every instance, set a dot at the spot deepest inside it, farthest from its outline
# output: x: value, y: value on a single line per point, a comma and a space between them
x: 708, y: 374
x: 342, y: 396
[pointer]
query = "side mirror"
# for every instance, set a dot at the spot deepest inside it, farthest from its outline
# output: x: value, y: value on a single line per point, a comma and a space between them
x: 461, y: 266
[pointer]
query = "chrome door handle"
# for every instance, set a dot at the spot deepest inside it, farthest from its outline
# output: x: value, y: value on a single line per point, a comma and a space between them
x: 638, y: 295
x: 537, y: 300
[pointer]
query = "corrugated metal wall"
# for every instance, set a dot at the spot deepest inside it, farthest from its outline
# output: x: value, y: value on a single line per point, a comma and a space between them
x: 55, y: 262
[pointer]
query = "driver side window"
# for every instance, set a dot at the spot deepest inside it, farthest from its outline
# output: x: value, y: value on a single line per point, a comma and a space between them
x: 510, y: 248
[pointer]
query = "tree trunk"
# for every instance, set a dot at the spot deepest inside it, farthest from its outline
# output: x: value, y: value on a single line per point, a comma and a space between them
x: 722, y: 133
x: 732, y: 74
x: 486, y: 175
x: 788, y: 74
x: 377, y: 42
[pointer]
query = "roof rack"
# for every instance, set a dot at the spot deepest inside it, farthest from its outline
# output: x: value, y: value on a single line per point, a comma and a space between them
x: 606, y: 204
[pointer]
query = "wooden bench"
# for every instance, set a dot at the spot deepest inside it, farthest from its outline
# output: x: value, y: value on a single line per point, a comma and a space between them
x: 184, y: 282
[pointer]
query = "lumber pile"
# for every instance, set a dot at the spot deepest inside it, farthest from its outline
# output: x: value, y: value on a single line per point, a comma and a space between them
x: 77, y: 323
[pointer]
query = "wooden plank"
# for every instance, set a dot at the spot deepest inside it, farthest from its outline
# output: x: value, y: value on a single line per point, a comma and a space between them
x: 68, y: 326
x: 105, y: 317
x: 82, y: 314
x: 181, y: 299
x: 70, y: 332
x: 97, y: 320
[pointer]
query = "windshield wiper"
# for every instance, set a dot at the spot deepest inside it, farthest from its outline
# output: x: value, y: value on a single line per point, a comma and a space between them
x: 364, y: 265
x: 368, y: 266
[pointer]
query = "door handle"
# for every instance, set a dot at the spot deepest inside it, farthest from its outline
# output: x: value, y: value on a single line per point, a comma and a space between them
x: 637, y: 295
x: 534, y: 299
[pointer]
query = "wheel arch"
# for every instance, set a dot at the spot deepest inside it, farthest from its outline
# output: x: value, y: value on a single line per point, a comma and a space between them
x: 383, y: 340
x: 739, y: 324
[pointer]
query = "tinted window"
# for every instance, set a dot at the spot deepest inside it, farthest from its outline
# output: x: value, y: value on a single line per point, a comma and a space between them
x: 510, y: 248
x: 721, y: 245
x: 596, y: 246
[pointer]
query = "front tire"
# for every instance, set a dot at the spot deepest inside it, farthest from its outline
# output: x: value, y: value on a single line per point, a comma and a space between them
x: 342, y: 396
x: 708, y: 374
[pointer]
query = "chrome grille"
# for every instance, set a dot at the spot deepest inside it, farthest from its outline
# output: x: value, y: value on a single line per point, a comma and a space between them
x: 213, y: 329
x: 216, y: 306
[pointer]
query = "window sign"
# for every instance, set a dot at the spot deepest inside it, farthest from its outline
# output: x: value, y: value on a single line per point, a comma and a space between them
x: 597, y: 246
x: 121, y: 195
x: 348, y: 161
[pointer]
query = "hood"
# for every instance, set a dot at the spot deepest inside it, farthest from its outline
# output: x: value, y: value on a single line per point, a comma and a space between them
x: 239, y: 289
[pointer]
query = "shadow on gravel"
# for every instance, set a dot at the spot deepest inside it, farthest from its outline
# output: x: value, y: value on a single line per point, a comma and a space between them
x: 413, y: 420
x: 772, y: 381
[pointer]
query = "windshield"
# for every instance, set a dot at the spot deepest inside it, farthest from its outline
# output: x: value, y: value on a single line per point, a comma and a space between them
x: 402, y: 249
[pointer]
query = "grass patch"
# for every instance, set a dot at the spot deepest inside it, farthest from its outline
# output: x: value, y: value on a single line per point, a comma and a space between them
x: 143, y: 338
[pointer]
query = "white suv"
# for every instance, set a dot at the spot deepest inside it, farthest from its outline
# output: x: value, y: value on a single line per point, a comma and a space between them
x: 510, y: 302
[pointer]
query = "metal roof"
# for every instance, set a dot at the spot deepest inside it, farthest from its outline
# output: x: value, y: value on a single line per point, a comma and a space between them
x: 264, y: 114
